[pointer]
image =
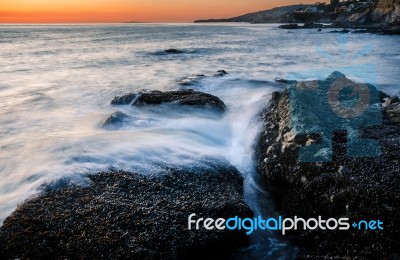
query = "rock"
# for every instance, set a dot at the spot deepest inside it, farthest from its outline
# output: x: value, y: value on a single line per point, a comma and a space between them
x: 194, y: 79
x: 220, y: 73
x: 392, y: 101
x: 343, y: 169
x: 125, y: 215
x: 360, y: 31
x: 304, y: 26
x: 115, y: 119
x: 313, y: 25
x: 289, y: 26
x: 191, y: 80
x: 345, y: 186
x: 275, y: 95
x: 285, y: 81
x: 383, y: 96
x: 173, y: 51
x: 341, y: 31
x: 297, y: 138
x: 182, y: 97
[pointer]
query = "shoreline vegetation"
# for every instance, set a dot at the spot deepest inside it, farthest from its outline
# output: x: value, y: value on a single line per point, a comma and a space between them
x: 372, y: 16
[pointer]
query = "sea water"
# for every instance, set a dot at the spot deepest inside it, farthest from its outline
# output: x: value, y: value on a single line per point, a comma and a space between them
x: 57, y: 81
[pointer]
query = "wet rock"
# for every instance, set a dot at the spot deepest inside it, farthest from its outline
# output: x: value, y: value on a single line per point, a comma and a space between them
x: 191, y: 80
x: 352, y: 187
x: 125, y: 215
x: 290, y: 26
x: 173, y: 51
x: 194, y: 80
x: 115, y: 119
x: 392, y: 101
x: 304, y: 26
x: 383, y: 96
x: 285, y: 81
x: 182, y: 97
x: 220, y: 73
x: 275, y: 95
x: 341, y: 31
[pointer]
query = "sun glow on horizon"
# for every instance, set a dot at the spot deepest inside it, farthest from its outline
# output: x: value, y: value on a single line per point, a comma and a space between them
x: 114, y: 11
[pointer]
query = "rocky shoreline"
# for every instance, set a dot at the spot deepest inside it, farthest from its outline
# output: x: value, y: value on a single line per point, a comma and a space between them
x: 128, y: 215
x: 347, y: 27
x: 353, y: 187
x: 376, y: 17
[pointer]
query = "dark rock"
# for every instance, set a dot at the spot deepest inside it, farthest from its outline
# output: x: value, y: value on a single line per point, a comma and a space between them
x: 276, y: 95
x: 130, y: 216
x: 182, y: 97
x: 383, y: 96
x: 220, y: 73
x: 285, y: 81
x: 341, y: 31
x: 360, y: 31
x: 313, y: 25
x: 304, y: 26
x: 290, y: 26
x: 191, y: 80
x: 115, y: 119
x: 392, y: 101
x: 173, y: 51
x: 350, y: 187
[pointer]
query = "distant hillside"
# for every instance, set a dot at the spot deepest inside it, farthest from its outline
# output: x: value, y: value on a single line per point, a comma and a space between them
x: 275, y: 15
x: 380, y: 12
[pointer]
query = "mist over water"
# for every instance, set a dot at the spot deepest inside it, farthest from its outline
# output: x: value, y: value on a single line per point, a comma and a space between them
x: 56, y: 83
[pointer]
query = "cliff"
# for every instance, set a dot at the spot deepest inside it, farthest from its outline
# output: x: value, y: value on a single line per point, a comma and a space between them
x: 275, y: 15
x: 382, y: 12
x: 387, y: 11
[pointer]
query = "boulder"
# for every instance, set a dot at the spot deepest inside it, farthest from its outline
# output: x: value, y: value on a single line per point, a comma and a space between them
x: 115, y: 119
x: 173, y: 51
x: 392, y: 101
x: 191, y: 80
x: 182, y: 97
x: 353, y: 187
x: 285, y: 81
x: 123, y: 215
x: 220, y: 73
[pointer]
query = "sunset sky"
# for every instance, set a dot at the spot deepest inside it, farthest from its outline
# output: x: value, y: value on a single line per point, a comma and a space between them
x: 105, y: 11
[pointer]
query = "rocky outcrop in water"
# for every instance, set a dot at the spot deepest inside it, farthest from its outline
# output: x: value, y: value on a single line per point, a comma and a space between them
x: 114, y: 120
x: 354, y: 187
x: 182, y: 97
x: 124, y: 215
x: 173, y: 51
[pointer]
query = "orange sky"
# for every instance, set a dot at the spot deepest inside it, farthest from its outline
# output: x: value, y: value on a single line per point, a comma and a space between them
x: 106, y: 11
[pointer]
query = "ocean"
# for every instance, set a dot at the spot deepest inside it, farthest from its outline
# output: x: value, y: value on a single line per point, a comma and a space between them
x: 57, y: 81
